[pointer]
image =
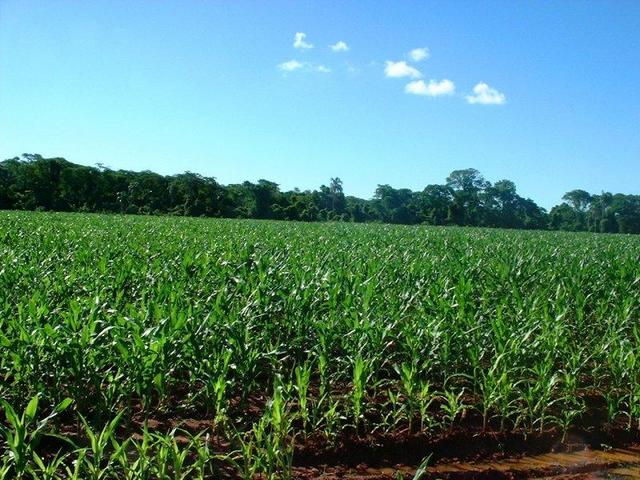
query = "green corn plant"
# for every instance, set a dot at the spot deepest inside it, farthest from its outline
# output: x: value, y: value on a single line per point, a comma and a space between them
x: 359, y: 380
x: 566, y: 419
x: 169, y: 458
x: 280, y: 442
x: 395, y: 412
x: 50, y: 470
x: 332, y: 420
x: 127, y: 467
x: 23, y: 433
x: 267, y: 449
x: 543, y: 398
x: 97, y: 460
x: 178, y: 456
x: 247, y: 460
x: 202, y: 466
x: 634, y: 407
x: 410, y: 385
x: 324, y: 374
x: 425, y: 398
x: 218, y: 386
x: 142, y: 466
x: 134, y: 457
x: 219, y: 389
x: 5, y: 468
x: 614, y: 405
x: 174, y: 317
x: 498, y: 392
x: 160, y: 462
x: 452, y: 407
x: 303, y: 378
x: 75, y: 472
x: 112, y: 393
x: 422, y: 468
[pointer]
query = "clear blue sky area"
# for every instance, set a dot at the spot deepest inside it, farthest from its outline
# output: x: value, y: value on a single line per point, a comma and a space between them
x: 546, y: 94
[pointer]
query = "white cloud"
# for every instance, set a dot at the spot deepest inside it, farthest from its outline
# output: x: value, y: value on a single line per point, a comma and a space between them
x: 298, y: 41
x: 339, y: 46
x: 401, y: 69
x: 485, y: 95
x: 418, y: 54
x: 434, y: 88
x: 291, y: 65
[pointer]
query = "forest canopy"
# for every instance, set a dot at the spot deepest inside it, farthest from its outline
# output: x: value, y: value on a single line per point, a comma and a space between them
x: 32, y: 182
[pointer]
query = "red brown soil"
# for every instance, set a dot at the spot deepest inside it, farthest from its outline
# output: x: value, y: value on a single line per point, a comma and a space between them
x: 454, y: 454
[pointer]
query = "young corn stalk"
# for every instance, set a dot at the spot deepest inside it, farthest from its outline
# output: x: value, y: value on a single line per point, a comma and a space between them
x: 45, y: 471
x: 303, y: 378
x: 22, y: 436
x: 280, y: 444
x: 358, y: 390
x: 169, y: 458
x: 410, y: 390
x: 96, y: 460
x: 202, y: 466
x: 425, y: 398
x: 395, y: 411
x: 452, y: 407
x: 220, y: 400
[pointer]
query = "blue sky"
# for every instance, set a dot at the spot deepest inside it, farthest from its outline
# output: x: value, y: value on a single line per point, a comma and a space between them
x: 220, y: 89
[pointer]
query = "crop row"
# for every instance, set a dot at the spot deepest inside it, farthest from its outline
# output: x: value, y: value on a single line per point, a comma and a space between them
x: 278, y: 332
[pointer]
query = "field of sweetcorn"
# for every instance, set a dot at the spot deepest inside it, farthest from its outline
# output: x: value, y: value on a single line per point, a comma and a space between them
x: 157, y: 347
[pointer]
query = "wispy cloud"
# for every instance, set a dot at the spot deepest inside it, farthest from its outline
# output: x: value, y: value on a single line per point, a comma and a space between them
x: 291, y: 66
x: 485, y: 95
x: 419, y: 54
x: 339, y: 46
x: 295, y: 65
x: 401, y: 69
x: 434, y: 88
x: 298, y: 41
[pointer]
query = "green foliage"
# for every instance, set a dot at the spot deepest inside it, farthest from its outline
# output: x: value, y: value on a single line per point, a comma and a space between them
x: 276, y: 331
x: 36, y: 183
x: 23, y: 433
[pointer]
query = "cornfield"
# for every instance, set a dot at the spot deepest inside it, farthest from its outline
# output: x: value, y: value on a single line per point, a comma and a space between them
x: 160, y: 347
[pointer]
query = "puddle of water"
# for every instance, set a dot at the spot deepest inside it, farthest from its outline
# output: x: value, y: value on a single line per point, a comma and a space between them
x: 625, y: 473
x: 621, y: 473
x: 615, y: 464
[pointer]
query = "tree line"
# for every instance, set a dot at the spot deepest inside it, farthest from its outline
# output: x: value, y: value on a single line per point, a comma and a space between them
x: 32, y: 182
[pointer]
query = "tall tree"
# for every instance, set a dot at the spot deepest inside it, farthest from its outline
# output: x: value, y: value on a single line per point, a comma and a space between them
x: 467, y: 185
x: 33, y: 182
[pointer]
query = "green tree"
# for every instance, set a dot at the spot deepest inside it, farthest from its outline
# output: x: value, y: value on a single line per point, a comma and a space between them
x: 467, y: 186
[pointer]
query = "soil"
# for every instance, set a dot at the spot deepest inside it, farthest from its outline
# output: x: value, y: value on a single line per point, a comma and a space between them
x: 465, y: 453
x: 592, y: 450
